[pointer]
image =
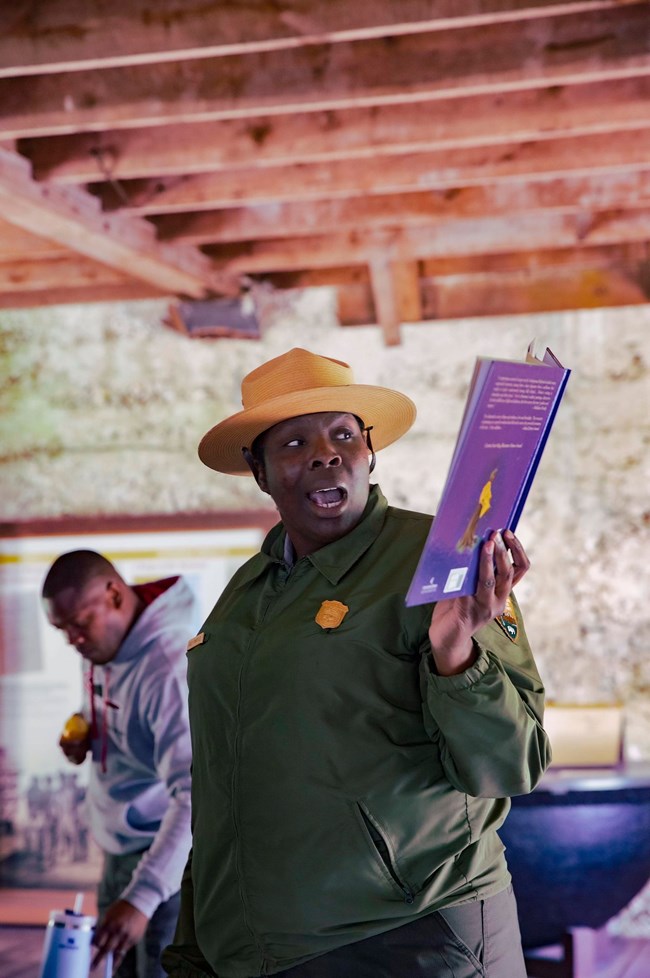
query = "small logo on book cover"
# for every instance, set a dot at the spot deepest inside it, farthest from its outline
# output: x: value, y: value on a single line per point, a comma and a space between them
x: 455, y: 579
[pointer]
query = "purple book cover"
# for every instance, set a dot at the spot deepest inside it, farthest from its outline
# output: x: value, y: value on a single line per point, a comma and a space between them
x: 509, y: 413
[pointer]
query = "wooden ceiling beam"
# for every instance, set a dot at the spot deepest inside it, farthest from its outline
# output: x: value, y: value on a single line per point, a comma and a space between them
x: 507, y: 293
x: 477, y: 120
x: 395, y: 290
x: 385, y: 301
x: 74, y: 219
x: 599, y: 45
x: 445, y: 170
x: 449, y: 288
x: 624, y: 190
x: 427, y: 157
x: 31, y: 275
x: 544, y: 290
x: 73, y: 35
x: 630, y: 256
x: 79, y: 294
x: 537, y: 230
x: 16, y: 243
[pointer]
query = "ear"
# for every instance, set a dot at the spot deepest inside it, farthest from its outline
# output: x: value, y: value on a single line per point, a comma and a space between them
x: 256, y: 468
x: 365, y: 430
x: 114, y: 595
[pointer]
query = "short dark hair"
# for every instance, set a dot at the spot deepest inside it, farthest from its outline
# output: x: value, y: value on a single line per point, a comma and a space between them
x: 75, y: 569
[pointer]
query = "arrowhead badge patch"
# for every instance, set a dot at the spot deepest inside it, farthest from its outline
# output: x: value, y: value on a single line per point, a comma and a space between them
x: 508, y: 621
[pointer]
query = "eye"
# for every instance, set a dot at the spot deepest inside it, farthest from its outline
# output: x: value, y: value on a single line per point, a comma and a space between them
x: 344, y: 434
x: 82, y: 623
x: 294, y: 443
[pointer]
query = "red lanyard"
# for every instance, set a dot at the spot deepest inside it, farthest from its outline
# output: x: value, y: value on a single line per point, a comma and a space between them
x: 106, y: 703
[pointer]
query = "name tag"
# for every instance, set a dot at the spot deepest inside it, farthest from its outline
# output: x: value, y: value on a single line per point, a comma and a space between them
x: 197, y: 640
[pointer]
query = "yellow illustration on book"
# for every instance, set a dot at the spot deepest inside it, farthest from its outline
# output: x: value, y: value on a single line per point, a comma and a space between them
x: 470, y: 538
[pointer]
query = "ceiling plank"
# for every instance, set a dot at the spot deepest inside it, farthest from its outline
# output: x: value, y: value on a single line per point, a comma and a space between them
x: 605, y: 191
x: 545, y: 290
x: 424, y: 157
x: 74, y: 218
x: 550, y: 289
x: 598, y: 45
x: 630, y: 256
x: 16, y: 243
x: 71, y: 35
x: 496, y: 284
x: 35, y: 275
x: 621, y: 255
x: 478, y: 120
x: 77, y: 295
x: 537, y: 230
x: 430, y: 171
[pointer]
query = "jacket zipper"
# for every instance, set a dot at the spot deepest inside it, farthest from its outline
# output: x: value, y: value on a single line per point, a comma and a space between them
x: 380, y: 844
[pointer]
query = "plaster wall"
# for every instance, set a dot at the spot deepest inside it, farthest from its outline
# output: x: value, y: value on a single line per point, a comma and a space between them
x: 102, y: 407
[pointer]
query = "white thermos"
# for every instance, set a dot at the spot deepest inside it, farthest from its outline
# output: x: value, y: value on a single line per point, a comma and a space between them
x: 68, y: 946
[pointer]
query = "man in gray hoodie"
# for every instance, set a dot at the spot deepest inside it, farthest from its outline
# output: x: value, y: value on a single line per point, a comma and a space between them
x: 135, y: 725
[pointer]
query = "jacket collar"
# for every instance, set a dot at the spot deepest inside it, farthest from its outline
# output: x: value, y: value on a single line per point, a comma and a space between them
x: 335, y: 560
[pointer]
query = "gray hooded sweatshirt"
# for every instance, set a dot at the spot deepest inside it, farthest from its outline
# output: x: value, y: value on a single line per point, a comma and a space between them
x: 139, y: 792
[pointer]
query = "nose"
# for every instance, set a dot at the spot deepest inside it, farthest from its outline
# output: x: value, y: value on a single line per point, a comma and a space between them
x: 324, y: 454
x: 74, y: 637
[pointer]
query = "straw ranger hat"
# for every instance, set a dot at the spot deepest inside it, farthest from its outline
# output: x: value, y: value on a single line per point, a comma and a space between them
x: 299, y: 382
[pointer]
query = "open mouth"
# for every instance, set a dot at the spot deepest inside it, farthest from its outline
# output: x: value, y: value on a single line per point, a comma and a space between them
x: 328, y: 498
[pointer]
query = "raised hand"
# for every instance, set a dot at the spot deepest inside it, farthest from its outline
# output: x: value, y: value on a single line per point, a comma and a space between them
x: 503, y: 563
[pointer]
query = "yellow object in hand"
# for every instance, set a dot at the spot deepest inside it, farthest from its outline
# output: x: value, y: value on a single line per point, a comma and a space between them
x: 76, y: 728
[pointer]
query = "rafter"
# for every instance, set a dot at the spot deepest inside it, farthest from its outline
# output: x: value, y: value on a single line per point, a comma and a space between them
x: 630, y: 256
x: 73, y: 218
x: 424, y: 157
x: 550, y: 289
x: 430, y: 171
x: 537, y: 230
x: 68, y: 35
x: 618, y: 190
x: 597, y: 46
x: 34, y: 275
x: 15, y: 243
x: 477, y: 120
x: 35, y: 296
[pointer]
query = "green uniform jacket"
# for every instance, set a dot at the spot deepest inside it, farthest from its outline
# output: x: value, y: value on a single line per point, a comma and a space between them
x: 340, y: 787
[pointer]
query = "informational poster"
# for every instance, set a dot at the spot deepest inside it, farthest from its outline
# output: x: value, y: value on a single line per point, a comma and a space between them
x: 44, y: 840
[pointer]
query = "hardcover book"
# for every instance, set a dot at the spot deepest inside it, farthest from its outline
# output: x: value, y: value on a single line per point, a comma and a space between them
x: 510, y: 408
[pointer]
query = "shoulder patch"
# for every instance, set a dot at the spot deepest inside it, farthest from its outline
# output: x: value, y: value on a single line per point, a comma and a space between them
x: 508, y: 621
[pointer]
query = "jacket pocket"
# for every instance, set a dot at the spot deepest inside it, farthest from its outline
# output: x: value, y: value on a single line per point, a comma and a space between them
x: 384, y: 852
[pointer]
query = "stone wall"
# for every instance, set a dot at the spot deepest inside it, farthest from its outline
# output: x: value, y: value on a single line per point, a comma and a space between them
x: 102, y: 408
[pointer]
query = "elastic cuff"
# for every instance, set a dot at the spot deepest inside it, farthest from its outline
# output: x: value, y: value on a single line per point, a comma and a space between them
x: 144, y: 898
x: 464, y: 680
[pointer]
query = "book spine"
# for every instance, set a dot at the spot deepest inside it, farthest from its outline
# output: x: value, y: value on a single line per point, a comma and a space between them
x: 530, y: 475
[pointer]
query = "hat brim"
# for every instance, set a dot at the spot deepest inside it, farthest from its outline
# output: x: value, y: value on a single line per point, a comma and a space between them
x: 390, y: 413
